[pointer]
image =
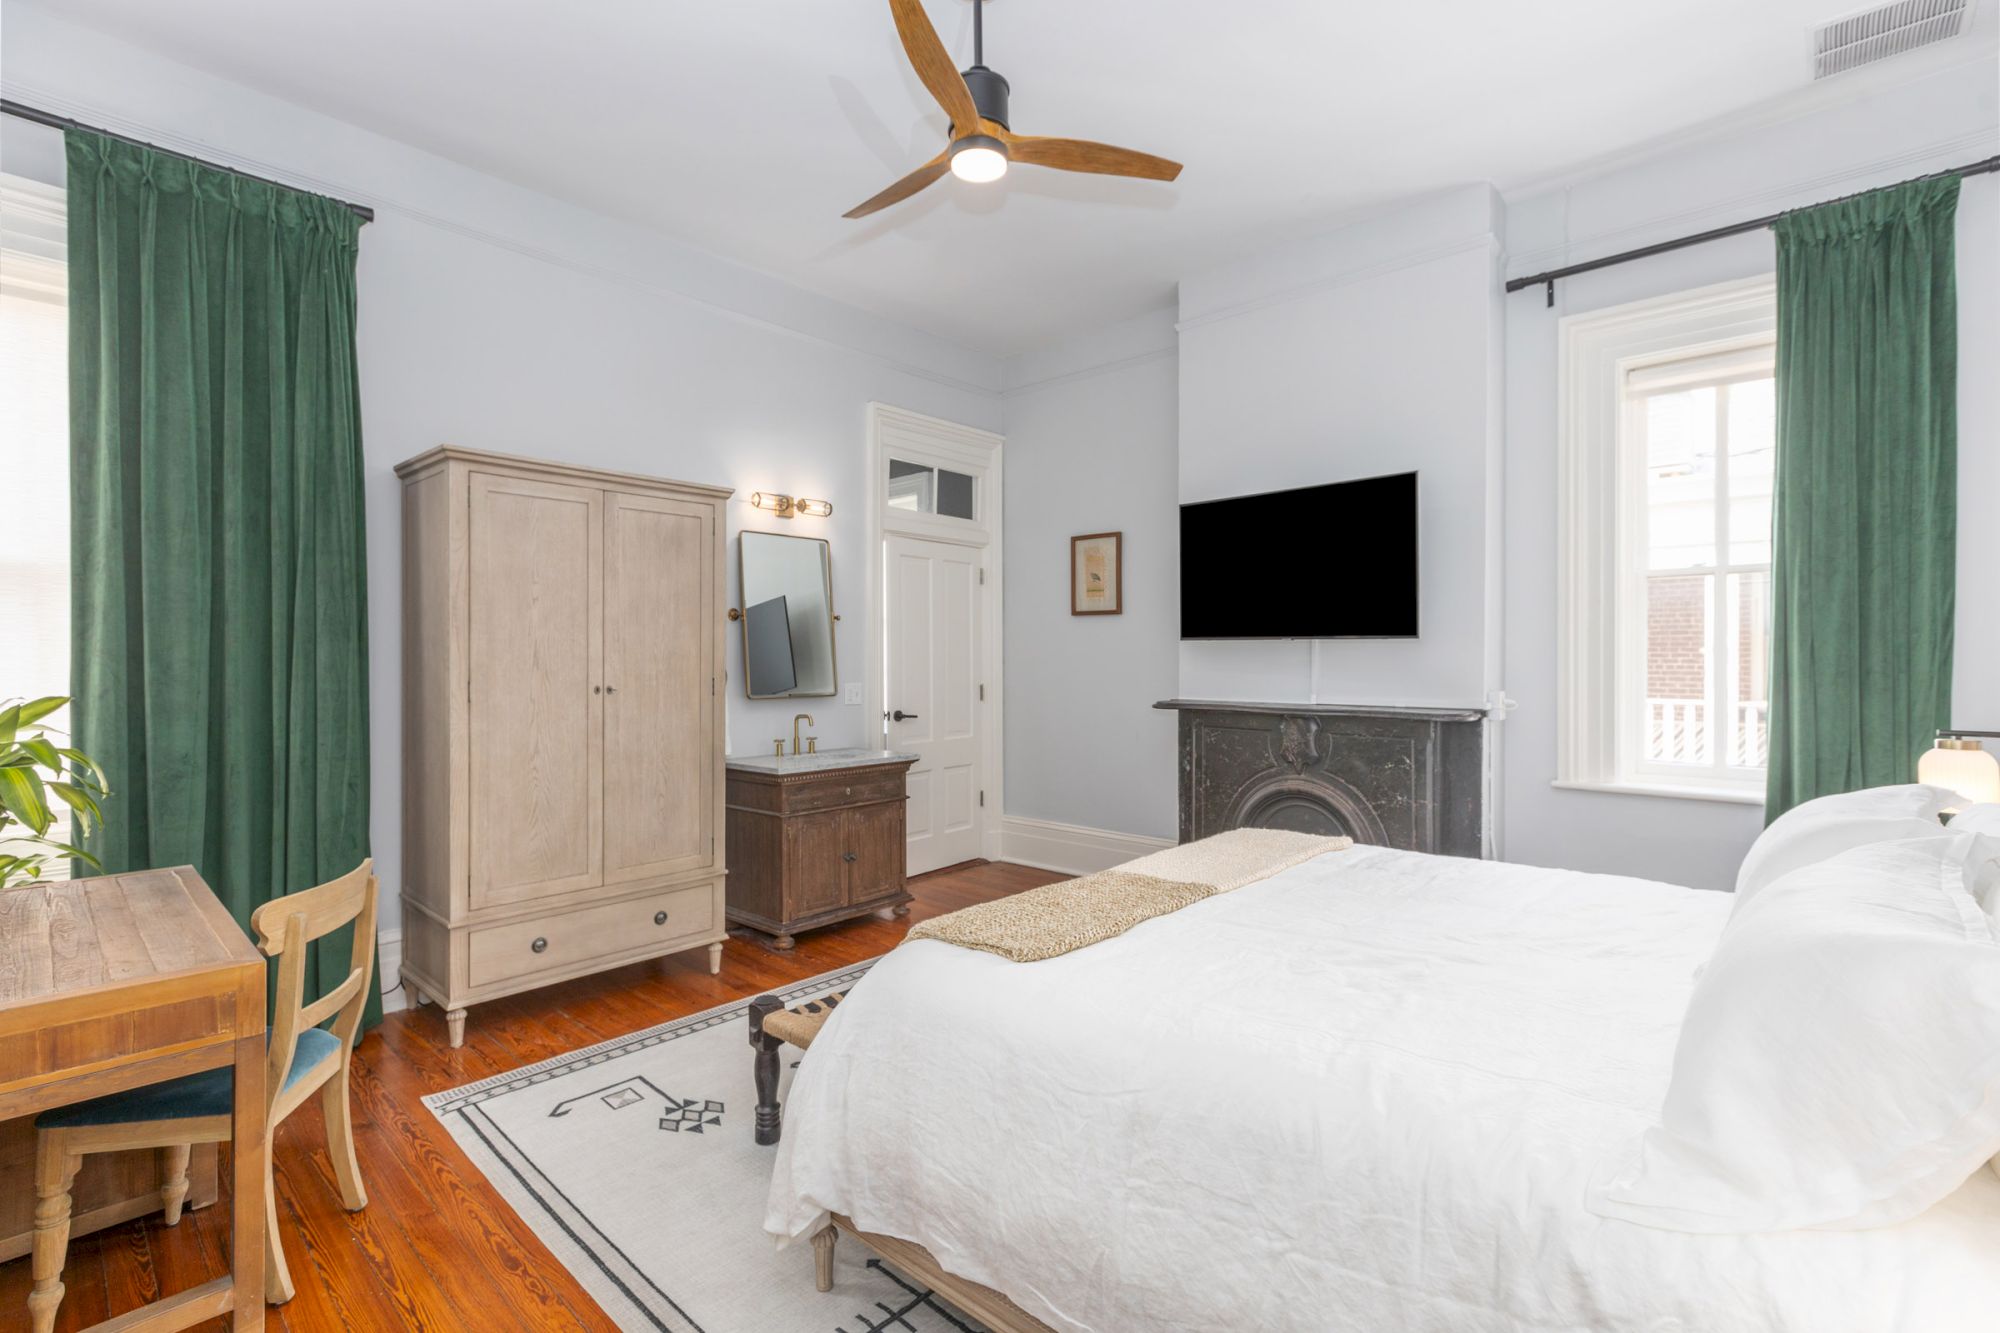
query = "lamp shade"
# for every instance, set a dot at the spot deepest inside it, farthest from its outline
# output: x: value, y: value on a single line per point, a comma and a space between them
x: 1962, y: 766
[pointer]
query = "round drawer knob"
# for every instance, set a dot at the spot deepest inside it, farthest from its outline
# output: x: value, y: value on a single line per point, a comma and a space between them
x: 541, y: 944
x: 848, y: 791
x: 659, y: 918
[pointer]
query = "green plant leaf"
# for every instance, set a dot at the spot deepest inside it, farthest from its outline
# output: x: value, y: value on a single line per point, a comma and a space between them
x: 37, y: 709
x: 79, y: 800
x: 43, y: 753
x: 83, y: 763
x: 21, y: 794
x: 78, y: 852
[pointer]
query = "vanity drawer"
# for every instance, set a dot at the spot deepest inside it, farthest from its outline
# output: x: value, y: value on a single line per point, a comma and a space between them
x: 576, y: 938
x: 849, y: 788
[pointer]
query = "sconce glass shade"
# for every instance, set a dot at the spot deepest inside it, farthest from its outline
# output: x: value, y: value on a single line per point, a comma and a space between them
x: 781, y: 505
x: 815, y: 508
x: 1963, y: 766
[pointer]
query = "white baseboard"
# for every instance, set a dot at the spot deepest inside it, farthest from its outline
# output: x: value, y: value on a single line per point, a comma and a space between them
x: 389, y: 967
x: 1070, y: 848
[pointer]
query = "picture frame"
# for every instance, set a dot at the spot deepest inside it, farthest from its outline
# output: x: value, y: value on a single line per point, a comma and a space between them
x: 1097, y: 574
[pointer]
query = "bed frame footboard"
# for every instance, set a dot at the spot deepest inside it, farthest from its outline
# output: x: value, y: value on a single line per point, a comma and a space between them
x: 983, y: 1303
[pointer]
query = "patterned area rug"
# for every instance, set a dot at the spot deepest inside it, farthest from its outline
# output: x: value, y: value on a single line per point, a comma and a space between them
x: 634, y: 1162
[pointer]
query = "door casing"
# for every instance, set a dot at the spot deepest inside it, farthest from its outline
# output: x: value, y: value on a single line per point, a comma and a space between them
x: 912, y: 435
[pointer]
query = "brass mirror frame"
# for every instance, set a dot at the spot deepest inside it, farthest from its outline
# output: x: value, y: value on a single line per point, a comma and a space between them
x: 832, y: 619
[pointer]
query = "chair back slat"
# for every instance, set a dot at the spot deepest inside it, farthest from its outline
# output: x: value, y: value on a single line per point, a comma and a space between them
x: 284, y: 926
x: 330, y: 1003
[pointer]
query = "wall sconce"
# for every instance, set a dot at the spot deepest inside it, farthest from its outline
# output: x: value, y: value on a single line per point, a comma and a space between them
x: 784, y: 506
x: 1959, y: 762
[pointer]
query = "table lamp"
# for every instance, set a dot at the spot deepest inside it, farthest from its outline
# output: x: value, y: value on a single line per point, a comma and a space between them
x: 1959, y: 762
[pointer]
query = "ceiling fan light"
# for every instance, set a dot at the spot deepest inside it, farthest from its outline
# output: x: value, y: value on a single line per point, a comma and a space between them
x: 979, y: 158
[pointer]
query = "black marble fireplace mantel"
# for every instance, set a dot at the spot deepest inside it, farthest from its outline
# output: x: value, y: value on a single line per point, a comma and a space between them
x: 1407, y: 777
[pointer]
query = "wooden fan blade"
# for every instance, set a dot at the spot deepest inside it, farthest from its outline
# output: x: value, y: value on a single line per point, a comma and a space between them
x: 933, y: 65
x: 904, y: 188
x: 1083, y: 155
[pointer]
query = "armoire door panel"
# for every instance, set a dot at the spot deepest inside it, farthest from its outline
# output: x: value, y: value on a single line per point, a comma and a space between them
x: 536, y: 727
x: 659, y: 705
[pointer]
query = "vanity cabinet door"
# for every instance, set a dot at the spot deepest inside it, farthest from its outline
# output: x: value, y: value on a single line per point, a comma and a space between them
x: 816, y: 878
x: 875, y: 840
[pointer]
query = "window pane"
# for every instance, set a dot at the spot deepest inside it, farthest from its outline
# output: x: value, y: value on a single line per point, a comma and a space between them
x: 1752, y: 457
x: 1678, y: 616
x: 1680, y: 479
x: 923, y: 489
x: 1749, y: 669
x: 34, y: 548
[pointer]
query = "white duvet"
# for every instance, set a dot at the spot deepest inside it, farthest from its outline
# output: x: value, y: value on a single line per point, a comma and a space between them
x: 1368, y: 1093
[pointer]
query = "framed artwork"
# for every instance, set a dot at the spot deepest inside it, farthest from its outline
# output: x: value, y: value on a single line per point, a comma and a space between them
x: 1096, y: 574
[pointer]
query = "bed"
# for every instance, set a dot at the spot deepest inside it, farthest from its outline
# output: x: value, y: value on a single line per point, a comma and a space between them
x: 1370, y: 1092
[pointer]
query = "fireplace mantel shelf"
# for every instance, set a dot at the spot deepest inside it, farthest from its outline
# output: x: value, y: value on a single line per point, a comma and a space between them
x: 1411, y: 712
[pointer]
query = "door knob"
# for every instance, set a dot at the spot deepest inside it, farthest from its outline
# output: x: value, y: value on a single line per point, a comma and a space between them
x: 900, y: 716
x: 847, y: 856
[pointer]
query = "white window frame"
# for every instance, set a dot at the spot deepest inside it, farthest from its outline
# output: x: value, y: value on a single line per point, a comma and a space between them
x: 1600, y: 612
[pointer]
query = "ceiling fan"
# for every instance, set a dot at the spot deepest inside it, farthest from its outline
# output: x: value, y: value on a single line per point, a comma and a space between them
x: 981, y: 142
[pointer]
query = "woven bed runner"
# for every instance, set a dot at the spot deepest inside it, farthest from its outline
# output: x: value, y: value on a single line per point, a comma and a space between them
x: 1058, y: 918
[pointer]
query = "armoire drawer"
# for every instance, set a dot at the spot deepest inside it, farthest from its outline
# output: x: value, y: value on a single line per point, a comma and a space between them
x: 837, y: 789
x: 568, y: 939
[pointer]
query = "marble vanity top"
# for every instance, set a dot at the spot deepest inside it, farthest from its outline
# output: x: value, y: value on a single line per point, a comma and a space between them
x: 851, y: 757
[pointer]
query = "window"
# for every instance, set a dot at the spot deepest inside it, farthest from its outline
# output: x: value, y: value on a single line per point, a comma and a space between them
x: 1667, y: 452
x: 923, y: 489
x: 34, y: 452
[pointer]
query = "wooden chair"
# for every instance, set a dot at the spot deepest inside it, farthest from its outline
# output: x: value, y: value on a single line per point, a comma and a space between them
x: 175, y: 1115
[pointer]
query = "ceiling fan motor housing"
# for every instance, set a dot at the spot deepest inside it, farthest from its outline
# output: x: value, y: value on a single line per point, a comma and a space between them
x: 989, y: 94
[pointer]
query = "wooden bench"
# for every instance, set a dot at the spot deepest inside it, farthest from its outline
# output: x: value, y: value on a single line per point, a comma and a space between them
x: 773, y: 1025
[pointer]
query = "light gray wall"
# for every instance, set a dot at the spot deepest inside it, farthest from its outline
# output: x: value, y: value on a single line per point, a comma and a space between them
x: 500, y: 319
x: 1370, y: 349
x: 1940, y: 122
x: 1090, y: 448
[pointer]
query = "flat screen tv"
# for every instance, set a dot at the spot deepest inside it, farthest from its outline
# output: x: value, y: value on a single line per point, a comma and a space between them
x: 1321, y: 562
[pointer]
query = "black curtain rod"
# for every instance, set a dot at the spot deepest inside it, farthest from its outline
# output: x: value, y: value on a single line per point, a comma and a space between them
x: 40, y: 117
x: 1548, y: 279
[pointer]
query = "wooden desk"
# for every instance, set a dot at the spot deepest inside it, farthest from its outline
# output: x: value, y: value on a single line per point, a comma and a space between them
x: 123, y: 980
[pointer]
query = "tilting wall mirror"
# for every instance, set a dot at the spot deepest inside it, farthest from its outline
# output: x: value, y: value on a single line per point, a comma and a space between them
x: 787, y: 585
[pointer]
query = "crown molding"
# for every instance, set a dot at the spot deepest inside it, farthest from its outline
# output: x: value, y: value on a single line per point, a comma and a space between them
x: 1093, y: 370
x: 384, y: 205
x: 1482, y: 241
x: 1753, y: 203
x: 1811, y: 100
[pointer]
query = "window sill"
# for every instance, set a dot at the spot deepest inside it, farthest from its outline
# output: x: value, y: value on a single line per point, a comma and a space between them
x: 1726, y: 795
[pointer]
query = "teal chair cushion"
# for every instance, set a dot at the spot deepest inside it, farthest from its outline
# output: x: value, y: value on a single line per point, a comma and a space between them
x: 187, y: 1097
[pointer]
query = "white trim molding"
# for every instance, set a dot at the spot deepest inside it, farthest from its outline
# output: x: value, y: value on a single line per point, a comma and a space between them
x: 389, y: 971
x: 1071, y: 849
x: 1594, y: 506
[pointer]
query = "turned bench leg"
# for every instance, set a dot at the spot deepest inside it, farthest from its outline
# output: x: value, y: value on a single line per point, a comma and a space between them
x: 823, y: 1240
x: 769, y: 1113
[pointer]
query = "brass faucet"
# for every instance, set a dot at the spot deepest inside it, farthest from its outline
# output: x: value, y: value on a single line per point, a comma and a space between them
x: 807, y: 718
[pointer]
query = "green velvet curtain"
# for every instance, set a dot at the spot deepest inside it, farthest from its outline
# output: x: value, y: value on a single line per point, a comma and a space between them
x: 219, y: 583
x: 1865, y: 521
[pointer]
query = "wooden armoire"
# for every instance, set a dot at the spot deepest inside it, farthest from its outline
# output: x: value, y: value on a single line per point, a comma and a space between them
x: 562, y: 723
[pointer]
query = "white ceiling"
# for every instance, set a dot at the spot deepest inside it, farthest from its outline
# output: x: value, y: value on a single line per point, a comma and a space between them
x: 747, y: 126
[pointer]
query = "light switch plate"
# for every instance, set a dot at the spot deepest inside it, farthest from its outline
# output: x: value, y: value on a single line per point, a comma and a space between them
x: 852, y: 698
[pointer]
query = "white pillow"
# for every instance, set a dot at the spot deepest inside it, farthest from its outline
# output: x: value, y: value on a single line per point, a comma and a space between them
x: 1839, y: 1064
x: 1830, y: 825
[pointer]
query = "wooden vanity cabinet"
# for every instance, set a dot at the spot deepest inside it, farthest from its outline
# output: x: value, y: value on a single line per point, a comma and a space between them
x: 809, y: 849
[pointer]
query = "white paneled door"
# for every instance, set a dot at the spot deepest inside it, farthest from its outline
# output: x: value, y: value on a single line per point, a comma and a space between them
x: 931, y: 693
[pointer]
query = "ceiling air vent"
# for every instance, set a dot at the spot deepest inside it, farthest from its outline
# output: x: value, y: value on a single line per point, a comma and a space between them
x: 1884, y: 31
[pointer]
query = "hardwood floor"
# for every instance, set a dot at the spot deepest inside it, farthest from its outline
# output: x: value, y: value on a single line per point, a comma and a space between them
x: 437, y: 1248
